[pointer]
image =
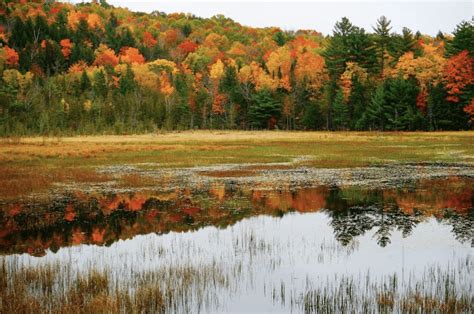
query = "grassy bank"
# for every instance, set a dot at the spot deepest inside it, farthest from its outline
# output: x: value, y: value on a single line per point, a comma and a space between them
x: 34, y: 164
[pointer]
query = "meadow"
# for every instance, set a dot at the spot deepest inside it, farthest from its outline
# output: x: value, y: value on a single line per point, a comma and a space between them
x: 34, y: 164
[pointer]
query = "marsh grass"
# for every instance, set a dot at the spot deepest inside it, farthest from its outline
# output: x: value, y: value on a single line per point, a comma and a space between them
x: 181, y: 287
x: 34, y: 164
x: 436, y: 291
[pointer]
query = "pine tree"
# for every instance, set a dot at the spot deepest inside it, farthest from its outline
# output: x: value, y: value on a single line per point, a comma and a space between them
x: 382, y: 39
x: 463, y: 40
x: 263, y: 108
x: 100, y: 88
x: 85, y: 83
x: 340, y: 112
x: 349, y: 44
x: 400, y: 109
x: 279, y: 38
x: 127, y: 81
x: 373, y: 116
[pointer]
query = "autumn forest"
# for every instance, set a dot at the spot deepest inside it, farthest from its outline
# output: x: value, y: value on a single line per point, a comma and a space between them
x: 93, y: 68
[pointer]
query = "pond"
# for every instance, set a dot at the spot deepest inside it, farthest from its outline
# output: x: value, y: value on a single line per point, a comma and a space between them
x: 226, y: 246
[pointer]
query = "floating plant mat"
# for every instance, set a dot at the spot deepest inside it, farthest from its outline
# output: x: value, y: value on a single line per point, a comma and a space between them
x: 228, y: 246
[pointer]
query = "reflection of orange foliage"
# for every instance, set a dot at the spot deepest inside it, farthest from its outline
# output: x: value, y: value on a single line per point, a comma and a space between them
x: 98, y: 235
x: 69, y: 213
x: 191, y: 210
x: 304, y: 200
x: 136, y: 203
x: 151, y: 215
x: 176, y: 217
x: 433, y: 196
x: 14, y: 210
x: 77, y: 236
x: 218, y: 191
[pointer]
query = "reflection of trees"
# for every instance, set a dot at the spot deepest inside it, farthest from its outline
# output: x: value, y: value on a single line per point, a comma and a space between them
x: 462, y: 226
x: 349, y: 220
x: 356, y: 221
x: 104, y: 219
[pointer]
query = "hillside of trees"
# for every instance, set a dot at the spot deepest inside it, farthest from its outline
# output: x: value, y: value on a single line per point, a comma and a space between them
x: 94, y: 68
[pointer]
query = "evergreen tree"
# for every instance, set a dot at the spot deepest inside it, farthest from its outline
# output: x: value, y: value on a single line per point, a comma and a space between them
x: 340, y: 112
x: 445, y: 115
x: 82, y: 52
x: 41, y: 31
x: 85, y: 83
x: 463, y: 40
x: 127, y: 81
x: 126, y: 39
x: 263, y: 108
x: 382, y: 39
x: 82, y: 33
x: 50, y: 58
x: 186, y: 29
x: 402, y: 44
x: 111, y: 38
x: 400, y: 109
x: 357, y: 100
x: 279, y: 38
x: 19, y: 36
x: 59, y: 29
x: 100, y: 88
x: 349, y: 44
x: 373, y: 117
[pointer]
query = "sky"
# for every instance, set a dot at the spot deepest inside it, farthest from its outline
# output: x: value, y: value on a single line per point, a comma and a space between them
x: 428, y: 17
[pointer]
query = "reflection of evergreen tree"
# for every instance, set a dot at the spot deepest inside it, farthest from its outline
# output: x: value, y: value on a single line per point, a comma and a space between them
x: 462, y: 226
x: 354, y: 212
x: 383, y: 233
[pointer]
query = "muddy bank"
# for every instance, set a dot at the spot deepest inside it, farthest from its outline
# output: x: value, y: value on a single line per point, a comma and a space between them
x: 277, y: 175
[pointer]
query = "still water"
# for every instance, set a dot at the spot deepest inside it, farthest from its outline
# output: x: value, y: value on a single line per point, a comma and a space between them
x: 231, y: 248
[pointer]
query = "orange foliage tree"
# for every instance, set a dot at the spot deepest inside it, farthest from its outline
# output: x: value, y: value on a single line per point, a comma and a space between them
x: 131, y: 55
x: 66, y: 47
x: 149, y: 40
x: 105, y: 56
x: 9, y: 56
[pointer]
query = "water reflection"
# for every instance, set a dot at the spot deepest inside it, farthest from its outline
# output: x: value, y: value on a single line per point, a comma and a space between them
x: 102, y: 219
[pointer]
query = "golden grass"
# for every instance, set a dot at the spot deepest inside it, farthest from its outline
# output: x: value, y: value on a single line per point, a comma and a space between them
x: 18, y: 181
x: 34, y: 164
x: 94, y: 146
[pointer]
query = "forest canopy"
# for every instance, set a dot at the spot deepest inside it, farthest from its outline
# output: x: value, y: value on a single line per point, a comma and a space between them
x: 94, y: 68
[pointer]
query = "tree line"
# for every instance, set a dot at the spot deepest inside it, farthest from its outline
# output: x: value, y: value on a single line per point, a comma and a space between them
x: 94, y: 68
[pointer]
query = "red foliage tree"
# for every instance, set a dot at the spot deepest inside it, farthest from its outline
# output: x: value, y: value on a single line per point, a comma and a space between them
x: 148, y: 39
x: 458, y: 74
x: 187, y: 47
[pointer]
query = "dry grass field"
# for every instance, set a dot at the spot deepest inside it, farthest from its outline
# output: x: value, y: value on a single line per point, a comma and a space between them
x: 34, y: 164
